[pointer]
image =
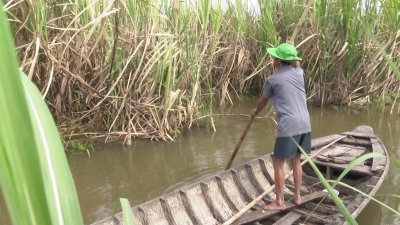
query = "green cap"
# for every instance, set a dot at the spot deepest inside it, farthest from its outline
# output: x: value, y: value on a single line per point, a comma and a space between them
x: 285, y: 52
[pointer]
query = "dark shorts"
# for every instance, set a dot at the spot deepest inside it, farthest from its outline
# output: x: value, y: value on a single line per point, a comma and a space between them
x: 286, y: 148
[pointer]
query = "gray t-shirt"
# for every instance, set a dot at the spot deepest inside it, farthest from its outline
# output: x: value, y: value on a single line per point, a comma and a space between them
x: 287, y: 91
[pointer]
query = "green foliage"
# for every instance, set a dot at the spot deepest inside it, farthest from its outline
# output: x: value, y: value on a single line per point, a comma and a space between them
x: 34, y: 175
x: 35, y: 178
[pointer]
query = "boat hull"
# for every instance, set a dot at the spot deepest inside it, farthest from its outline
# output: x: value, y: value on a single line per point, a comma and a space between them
x: 221, y: 197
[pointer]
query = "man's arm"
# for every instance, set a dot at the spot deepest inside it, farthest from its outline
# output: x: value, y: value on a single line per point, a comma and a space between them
x: 260, y: 105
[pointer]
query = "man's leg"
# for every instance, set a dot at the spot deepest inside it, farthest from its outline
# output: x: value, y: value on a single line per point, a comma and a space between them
x: 304, y: 141
x: 297, y: 176
x: 279, y: 176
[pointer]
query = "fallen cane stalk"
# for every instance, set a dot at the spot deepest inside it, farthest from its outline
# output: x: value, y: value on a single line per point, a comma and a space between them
x: 259, y: 198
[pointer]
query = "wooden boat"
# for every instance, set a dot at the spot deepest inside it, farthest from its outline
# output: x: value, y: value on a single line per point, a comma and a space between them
x: 217, y: 199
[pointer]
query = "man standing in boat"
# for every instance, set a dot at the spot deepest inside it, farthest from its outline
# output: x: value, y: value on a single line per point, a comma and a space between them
x: 285, y: 87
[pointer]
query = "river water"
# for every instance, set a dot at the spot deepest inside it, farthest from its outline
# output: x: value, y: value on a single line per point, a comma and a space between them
x: 148, y: 169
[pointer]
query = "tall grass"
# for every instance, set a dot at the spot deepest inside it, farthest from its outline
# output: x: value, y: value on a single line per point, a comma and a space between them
x: 145, y: 69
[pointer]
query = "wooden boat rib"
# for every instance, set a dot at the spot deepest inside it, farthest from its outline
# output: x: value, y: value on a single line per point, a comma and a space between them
x: 218, y: 198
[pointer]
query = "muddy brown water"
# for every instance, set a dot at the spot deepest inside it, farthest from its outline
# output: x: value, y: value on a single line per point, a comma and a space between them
x: 148, y: 169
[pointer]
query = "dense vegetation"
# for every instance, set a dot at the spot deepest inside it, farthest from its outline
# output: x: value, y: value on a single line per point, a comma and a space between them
x: 35, y: 179
x: 145, y: 69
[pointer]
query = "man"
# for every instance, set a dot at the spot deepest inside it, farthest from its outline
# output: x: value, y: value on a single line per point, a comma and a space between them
x: 286, y: 89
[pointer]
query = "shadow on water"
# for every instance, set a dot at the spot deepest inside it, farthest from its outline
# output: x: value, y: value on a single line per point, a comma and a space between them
x: 148, y: 169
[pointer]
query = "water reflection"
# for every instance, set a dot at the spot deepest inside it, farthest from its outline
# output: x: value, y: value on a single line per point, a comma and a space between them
x: 371, y: 215
x: 147, y: 169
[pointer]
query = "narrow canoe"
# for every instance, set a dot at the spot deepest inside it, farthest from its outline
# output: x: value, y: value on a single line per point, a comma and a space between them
x: 219, y: 198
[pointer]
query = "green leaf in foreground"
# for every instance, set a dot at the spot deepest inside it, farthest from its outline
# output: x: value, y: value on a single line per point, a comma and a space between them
x: 369, y: 196
x: 59, y: 186
x: 35, y: 179
x: 129, y: 218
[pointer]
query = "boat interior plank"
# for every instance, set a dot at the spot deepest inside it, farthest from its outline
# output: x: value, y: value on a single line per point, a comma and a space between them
x: 358, y: 134
x: 225, y: 195
x: 167, y: 212
x: 310, y: 217
x: 261, y: 182
x: 288, y: 219
x: 342, y: 154
x: 245, y: 184
x: 261, y: 214
x: 215, y: 200
x: 154, y: 213
x: 188, y: 207
x: 176, y: 209
x: 252, y: 178
x: 359, y: 169
x: 322, y: 141
x: 264, y: 168
x: 236, y: 197
x: 316, y: 184
x: 356, y: 141
x: 320, y: 207
x: 138, y: 213
x: 197, y: 205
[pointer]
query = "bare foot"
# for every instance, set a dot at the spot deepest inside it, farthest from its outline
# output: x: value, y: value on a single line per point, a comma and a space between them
x: 297, y: 200
x: 274, y: 206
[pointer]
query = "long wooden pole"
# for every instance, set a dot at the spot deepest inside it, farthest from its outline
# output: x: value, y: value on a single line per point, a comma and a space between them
x: 259, y: 198
x: 239, y: 143
x: 241, y: 139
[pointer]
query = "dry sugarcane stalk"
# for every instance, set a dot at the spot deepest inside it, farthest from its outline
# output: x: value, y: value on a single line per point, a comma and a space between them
x: 259, y: 198
x: 300, y: 21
